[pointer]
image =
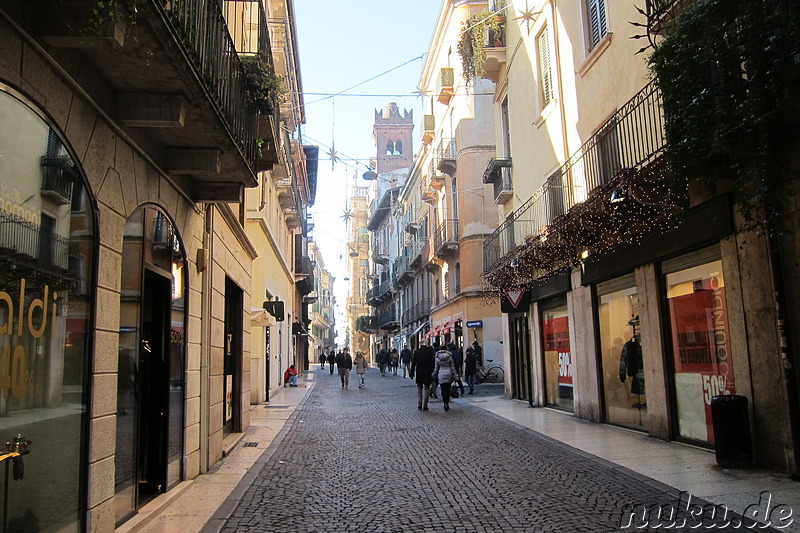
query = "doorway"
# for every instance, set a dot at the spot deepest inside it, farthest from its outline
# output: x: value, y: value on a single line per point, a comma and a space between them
x: 153, y: 386
x: 519, y: 338
x: 151, y: 365
x: 232, y: 357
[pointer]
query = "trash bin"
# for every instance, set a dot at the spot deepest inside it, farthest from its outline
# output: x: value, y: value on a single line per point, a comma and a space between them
x: 731, y: 430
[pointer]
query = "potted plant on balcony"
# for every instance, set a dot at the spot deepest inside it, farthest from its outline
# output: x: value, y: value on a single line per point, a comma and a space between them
x: 474, y: 34
x: 264, y: 87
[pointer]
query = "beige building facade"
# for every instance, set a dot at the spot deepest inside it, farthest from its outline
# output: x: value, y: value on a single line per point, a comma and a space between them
x: 126, y: 253
x: 624, y: 303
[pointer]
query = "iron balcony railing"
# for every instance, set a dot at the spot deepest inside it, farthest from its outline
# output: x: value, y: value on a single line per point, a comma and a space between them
x: 498, y: 173
x: 631, y: 139
x: 388, y: 318
x: 446, y: 235
x: 202, y: 28
x: 29, y: 240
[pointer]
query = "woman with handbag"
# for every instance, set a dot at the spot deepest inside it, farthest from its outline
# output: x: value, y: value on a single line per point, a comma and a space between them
x: 361, y: 367
x: 445, y: 372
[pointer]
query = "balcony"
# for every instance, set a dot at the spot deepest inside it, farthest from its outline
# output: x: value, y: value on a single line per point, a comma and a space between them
x: 428, y: 194
x: 304, y: 274
x: 446, y: 154
x: 444, y: 85
x: 285, y: 190
x: 428, y: 128
x: 409, y: 221
x: 495, y: 52
x: 388, y: 320
x: 193, y: 106
x: 445, y: 239
x: 498, y: 173
x: 600, y: 197
x: 58, y: 175
x: 367, y: 324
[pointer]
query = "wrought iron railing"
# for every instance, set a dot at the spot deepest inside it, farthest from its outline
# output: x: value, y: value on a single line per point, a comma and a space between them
x: 26, y: 239
x: 202, y: 29
x: 446, y: 234
x: 631, y: 139
x: 387, y: 318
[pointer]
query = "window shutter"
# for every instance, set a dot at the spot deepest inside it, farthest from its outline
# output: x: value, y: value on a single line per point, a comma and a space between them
x: 544, y: 64
x: 598, y: 25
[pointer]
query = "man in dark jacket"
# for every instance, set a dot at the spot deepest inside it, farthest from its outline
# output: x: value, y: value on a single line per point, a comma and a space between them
x: 458, y: 359
x: 383, y: 360
x: 405, y: 358
x: 478, y: 353
x: 422, y: 364
x: 344, y: 362
x: 332, y: 359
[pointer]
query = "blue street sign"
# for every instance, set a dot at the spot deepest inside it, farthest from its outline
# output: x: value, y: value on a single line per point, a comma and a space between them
x: 475, y: 324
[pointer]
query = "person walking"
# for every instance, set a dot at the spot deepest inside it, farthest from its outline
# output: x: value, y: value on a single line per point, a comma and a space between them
x: 458, y: 360
x: 405, y: 358
x: 361, y: 367
x: 478, y: 353
x: 383, y: 360
x: 445, y: 373
x: 323, y: 358
x: 436, y: 348
x: 332, y: 359
x: 344, y: 362
x: 394, y: 360
x: 422, y: 364
x: 470, y: 367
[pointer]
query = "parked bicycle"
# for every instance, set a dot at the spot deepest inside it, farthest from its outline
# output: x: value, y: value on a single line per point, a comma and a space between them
x: 494, y: 374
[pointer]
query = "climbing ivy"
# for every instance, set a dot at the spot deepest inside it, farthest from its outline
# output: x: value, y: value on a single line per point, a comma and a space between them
x: 729, y: 72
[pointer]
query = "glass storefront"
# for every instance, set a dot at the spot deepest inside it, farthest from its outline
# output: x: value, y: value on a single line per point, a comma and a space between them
x: 558, y: 357
x: 150, y: 386
x: 700, y: 343
x: 47, y: 249
x: 621, y: 353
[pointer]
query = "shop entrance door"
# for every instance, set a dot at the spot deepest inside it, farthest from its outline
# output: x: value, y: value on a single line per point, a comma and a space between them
x: 232, y: 356
x: 519, y: 337
x: 154, y: 386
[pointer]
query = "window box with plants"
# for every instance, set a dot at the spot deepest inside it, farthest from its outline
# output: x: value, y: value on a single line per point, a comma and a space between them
x: 480, y: 31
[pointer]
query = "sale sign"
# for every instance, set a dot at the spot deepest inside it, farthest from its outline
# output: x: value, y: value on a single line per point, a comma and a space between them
x: 701, y: 352
x: 556, y: 339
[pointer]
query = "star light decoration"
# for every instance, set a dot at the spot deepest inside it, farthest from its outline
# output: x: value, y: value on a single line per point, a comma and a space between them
x: 346, y: 215
x: 529, y: 16
x: 634, y: 206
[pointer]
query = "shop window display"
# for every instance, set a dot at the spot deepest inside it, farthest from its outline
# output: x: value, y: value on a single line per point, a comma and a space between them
x: 700, y: 346
x: 621, y: 349
x: 47, y: 248
x: 558, y: 359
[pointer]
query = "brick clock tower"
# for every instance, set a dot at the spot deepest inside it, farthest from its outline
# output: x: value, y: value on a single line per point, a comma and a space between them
x: 392, y: 133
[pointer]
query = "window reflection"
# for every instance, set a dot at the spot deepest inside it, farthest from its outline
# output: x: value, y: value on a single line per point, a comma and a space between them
x: 46, y: 251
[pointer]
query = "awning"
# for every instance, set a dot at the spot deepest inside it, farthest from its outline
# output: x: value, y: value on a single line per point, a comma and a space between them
x: 261, y: 318
x: 434, y: 332
x: 419, y: 328
x: 448, y: 325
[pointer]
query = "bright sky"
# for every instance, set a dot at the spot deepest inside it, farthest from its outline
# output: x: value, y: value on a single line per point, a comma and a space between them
x: 340, y: 47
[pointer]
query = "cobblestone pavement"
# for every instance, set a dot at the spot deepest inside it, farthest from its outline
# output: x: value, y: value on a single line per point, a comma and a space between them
x: 366, y: 460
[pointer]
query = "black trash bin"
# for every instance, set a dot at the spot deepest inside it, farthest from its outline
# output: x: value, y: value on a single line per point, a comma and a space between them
x: 731, y: 430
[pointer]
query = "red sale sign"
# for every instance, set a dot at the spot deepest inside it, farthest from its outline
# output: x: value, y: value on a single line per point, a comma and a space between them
x: 556, y: 339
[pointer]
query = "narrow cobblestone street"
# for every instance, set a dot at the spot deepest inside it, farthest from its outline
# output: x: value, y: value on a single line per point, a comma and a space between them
x: 367, y: 460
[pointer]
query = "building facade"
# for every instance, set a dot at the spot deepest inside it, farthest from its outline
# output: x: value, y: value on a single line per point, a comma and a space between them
x: 127, y: 292
x: 632, y: 294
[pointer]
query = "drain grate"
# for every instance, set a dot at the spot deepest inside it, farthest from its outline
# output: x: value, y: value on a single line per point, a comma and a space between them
x: 249, y: 445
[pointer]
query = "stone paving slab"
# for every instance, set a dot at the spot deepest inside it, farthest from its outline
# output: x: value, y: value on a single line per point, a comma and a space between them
x: 366, y: 460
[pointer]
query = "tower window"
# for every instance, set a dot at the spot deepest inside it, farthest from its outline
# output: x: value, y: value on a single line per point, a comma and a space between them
x: 394, y: 148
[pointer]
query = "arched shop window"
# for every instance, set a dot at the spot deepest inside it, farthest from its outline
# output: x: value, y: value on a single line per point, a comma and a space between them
x: 151, y: 383
x: 47, y: 251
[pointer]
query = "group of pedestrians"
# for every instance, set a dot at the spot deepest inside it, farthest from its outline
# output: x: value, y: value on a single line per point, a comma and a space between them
x: 388, y: 361
x: 430, y: 366
x: 434, y: 366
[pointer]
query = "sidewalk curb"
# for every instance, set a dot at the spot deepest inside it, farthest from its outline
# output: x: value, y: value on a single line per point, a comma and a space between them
x: 220, y: 517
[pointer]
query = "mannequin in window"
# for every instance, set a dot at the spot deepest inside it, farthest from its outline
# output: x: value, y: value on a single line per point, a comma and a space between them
x: 630, y: 362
